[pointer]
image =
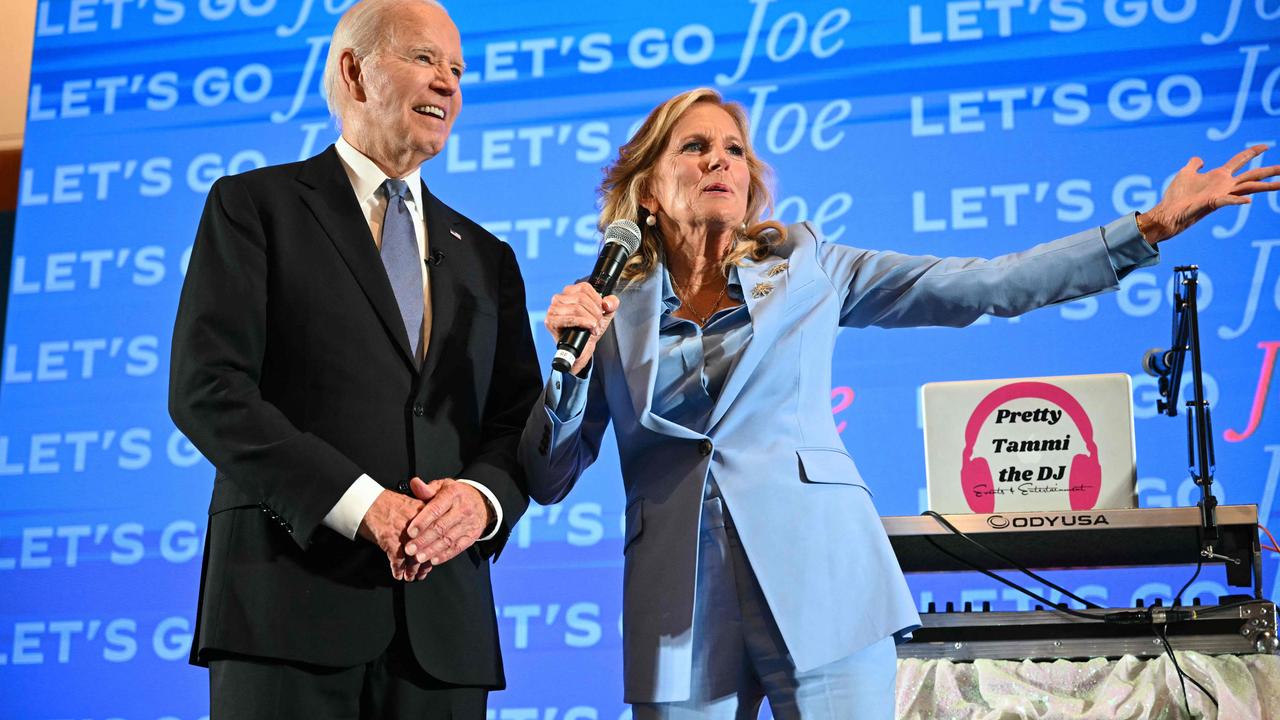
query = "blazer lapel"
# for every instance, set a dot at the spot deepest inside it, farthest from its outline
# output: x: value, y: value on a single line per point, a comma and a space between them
x: 328, y: 195
x: 636, y: 330
x: 441, y: 223
x: 766, y: 300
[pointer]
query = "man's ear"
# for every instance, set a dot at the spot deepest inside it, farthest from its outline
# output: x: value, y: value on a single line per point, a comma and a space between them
x: 351, y: 75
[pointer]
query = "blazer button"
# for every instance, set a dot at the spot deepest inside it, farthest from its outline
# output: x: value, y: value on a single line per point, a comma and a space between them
x: 419, y: 410
x: 403, y: 486
x: 704, y: 447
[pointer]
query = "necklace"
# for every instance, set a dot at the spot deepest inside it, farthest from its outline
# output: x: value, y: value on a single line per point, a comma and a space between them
x: 702, y: 319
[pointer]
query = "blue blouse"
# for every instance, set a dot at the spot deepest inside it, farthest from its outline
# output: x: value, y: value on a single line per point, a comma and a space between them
x: 694, y: 361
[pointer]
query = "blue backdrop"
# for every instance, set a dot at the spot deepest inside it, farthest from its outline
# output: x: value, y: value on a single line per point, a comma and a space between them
x: 969, y: 127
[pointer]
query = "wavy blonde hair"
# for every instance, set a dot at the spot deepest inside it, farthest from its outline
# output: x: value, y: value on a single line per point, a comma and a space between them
x: 628, y: 180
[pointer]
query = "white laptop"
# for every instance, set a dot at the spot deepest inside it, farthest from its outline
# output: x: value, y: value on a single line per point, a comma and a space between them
x: 1030, y: 444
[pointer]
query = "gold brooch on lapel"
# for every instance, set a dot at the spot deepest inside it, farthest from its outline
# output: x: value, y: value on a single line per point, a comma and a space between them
x: 776, y: 269
x: 761, y: 289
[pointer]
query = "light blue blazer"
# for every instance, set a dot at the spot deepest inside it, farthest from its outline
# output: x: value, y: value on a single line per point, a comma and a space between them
x: 803, y: 512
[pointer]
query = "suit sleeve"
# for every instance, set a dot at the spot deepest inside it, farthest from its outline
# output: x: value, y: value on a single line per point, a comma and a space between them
x: 888, y: 289
x: 513, y: 388
x: 219, y: 342
x: 562, y: 436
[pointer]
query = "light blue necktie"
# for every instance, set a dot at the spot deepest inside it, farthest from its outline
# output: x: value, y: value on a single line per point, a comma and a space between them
x: 401, y: 259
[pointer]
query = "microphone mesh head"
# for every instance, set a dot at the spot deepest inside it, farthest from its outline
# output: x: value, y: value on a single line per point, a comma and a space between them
x: 624, y: 232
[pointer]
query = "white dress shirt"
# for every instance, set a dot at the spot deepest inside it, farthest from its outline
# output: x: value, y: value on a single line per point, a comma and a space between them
x: 366, y: 181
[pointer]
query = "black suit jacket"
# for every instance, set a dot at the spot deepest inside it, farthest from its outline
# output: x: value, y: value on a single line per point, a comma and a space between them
x: 291, y: 372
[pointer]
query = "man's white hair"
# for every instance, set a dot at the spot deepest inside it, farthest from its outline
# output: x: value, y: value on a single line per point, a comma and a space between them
x: 364, y: 29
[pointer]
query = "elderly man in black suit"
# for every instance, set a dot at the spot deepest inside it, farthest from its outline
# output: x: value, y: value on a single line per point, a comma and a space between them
x: 342, y: 333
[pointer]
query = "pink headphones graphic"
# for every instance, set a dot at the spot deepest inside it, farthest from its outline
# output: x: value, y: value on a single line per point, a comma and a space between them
x: 1086, y: 472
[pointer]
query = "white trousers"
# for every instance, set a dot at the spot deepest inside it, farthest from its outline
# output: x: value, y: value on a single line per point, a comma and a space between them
x: 739, y: 658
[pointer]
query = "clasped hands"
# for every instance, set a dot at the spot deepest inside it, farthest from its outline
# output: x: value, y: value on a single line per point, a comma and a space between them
x: 442, y: 519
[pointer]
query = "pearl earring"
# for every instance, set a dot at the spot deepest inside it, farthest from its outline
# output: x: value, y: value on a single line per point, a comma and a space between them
x: 651, y: 220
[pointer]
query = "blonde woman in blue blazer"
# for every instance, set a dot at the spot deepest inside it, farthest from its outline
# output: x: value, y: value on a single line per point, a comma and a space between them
x: 756, y: 564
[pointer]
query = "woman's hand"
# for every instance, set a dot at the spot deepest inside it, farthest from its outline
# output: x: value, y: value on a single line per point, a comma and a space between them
x: 1193, y: 194
x: 580, y: 306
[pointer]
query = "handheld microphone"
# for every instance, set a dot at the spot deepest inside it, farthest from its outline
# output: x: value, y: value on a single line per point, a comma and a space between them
x: 621, y: 238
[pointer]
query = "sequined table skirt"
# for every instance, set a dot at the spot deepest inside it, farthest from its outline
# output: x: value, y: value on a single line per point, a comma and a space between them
x: 1247, y: 687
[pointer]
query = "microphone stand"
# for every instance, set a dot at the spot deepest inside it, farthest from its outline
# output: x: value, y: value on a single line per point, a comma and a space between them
x: 1200, y: 457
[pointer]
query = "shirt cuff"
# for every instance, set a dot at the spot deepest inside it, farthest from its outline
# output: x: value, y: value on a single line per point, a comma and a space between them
x: 566, y: 395
x: 493, y: 503
x: 345, y: 517
x: 1126, y: 246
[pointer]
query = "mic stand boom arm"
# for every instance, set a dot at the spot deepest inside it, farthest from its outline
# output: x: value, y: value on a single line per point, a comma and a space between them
x: 1200, y: 457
